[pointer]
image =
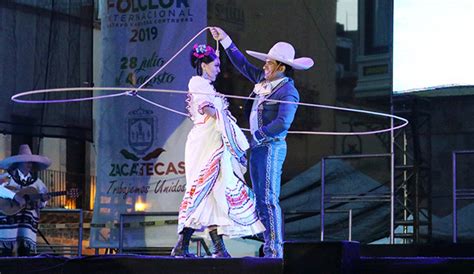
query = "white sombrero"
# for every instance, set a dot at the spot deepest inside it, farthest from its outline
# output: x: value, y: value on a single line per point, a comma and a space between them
x: 285, y: 53
x: 24, y: 155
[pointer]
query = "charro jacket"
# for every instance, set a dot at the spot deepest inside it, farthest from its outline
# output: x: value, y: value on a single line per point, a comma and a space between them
x: 274, y: 119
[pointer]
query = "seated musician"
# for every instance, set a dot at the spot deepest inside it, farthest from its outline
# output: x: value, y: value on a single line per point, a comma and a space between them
x: 18, y: 231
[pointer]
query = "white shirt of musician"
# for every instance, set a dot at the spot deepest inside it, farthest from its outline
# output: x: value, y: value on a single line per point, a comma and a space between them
x: 5, y: 192
x: 8, y: 193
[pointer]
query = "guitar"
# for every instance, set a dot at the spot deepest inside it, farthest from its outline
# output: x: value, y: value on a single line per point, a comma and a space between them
x: 32, y: 197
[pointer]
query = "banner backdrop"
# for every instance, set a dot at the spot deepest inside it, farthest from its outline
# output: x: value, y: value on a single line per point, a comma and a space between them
x: 140, y: 148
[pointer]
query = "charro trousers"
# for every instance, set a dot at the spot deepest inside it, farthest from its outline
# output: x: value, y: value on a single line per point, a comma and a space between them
x: 266, y: 161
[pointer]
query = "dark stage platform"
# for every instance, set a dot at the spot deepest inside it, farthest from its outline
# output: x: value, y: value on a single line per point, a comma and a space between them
x: 136, y: 264
x: 300, y: 257
x: 413, y: 259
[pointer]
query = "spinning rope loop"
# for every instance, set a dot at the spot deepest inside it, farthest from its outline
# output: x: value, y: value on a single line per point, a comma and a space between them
x: 134, y: 92
x: 127, y: 91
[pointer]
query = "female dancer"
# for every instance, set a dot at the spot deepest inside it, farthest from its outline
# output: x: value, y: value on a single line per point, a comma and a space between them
x: 216, y: 195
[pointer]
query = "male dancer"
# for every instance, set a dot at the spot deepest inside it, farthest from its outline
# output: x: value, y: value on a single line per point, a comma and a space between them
x: 269, y: 124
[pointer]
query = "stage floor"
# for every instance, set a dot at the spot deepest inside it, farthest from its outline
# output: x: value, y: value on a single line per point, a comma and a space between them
x: 138, y: 264
x: 300, y: 257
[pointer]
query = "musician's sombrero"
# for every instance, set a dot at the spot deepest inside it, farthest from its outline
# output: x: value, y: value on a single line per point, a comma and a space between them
x: 25, y: 155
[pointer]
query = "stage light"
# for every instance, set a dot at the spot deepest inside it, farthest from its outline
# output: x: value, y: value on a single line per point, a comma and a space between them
x: 139, y: 205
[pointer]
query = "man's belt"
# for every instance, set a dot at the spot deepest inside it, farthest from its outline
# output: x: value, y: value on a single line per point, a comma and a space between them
x: 269, y: 140
x: 274, y: 139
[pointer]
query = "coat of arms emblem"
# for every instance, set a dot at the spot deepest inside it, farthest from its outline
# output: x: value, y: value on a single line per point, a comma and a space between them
x: 141, y: 130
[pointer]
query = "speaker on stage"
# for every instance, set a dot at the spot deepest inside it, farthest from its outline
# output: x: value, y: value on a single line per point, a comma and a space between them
x: 320, y: 257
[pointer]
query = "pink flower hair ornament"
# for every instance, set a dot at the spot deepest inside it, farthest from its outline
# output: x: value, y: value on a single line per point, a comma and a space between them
x: 199, y: 51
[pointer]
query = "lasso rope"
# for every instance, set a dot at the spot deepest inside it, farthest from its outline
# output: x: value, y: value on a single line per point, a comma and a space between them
x: 134, y: 92
x: 17, y: 98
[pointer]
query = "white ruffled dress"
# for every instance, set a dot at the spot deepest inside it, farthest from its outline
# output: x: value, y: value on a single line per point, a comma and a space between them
x: 216, y: 193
